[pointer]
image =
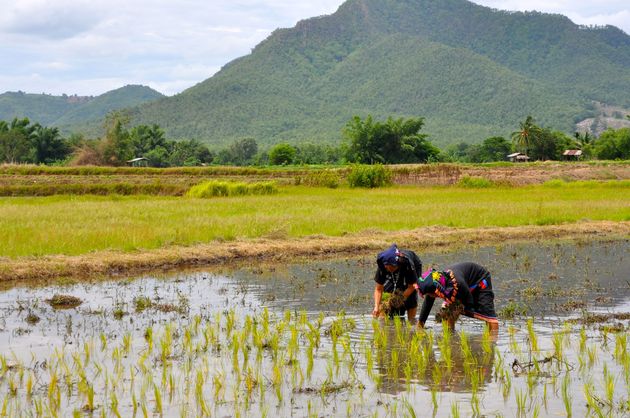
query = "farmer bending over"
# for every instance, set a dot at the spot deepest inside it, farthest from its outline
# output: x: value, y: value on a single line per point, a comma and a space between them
x: 397, y: 275
x: 466, y: 289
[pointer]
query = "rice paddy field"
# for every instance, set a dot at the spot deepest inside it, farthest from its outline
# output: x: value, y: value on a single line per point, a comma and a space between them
x: 297, y: 340
x: 293, y: 336
x: 71, y: 225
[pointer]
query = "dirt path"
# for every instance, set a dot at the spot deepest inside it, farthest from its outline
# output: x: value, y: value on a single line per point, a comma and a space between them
x: 40, y: 270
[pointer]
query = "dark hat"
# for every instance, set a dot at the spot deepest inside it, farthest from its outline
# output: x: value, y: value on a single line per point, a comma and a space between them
x: 389, y: 256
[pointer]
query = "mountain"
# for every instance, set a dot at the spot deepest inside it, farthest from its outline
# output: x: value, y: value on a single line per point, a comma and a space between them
x: 43, y: 108
x: 471, y: 71
x: 73, y: 113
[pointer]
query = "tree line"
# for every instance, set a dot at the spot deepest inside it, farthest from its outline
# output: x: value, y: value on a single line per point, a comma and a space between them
x: 365, y: 141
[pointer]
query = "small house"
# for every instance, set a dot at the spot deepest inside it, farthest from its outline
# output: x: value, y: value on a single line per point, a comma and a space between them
x: 139, y: 162
x: 572, y: 154
x: 518, y: 157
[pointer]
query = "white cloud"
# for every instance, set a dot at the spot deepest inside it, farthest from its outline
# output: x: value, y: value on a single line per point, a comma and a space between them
x: 92, y: 46
x: 45, y: 19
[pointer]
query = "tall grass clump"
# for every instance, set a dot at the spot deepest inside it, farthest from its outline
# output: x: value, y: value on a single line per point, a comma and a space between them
x: 369, y: 176
x: 323, y: 178
x: 215, y: 188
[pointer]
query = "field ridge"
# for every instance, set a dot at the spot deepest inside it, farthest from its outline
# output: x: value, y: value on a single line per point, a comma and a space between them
x: 229, y: 254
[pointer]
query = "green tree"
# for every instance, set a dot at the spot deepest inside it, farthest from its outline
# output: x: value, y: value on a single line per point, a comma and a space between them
x: 462, y: 151
x: 613, y: 144
x: 361, y: 144
x: 48, y: 146
x: 495, y: 148
x: 309, y: 153
x: 116, y: 146
x: 190, y: 153
x: 146, y: 138
x: 242, y: 151
x: 282, y: 154
x: 394, y: 141
x: 14, y: 147
x: 549, y: 145
x: 15, y: 137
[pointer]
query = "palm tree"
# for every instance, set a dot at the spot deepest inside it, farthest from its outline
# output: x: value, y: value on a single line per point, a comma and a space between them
x: 582, y: 139
x: 527, y: 135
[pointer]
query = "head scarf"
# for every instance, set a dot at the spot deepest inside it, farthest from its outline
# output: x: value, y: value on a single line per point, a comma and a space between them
x: 438, y: 283
x: 390, y: 256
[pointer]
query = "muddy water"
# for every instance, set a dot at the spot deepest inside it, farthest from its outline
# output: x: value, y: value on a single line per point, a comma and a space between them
x: 550, y: 283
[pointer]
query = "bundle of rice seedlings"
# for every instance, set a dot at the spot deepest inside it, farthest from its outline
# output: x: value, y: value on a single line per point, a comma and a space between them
x: 391, y: 302
x: 450, y: 312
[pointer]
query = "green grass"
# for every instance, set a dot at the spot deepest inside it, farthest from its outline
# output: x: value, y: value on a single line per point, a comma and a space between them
x: 79, y: 224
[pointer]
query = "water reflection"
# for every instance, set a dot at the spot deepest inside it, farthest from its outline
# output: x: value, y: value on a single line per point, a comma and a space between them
x: 434, y: 360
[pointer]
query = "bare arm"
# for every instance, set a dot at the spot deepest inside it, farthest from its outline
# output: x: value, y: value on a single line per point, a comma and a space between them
x: 378, y: 294
x: 409, y: 291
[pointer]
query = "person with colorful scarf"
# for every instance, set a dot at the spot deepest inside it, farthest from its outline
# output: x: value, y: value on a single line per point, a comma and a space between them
x: 466, y: 288
x: 397, y: 271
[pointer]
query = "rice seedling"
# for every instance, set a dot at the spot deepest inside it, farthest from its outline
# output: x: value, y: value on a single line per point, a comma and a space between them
x: 566, y: 395
x: 29, y: 384
x: 455, y: 409
x: 394, y: 366
x: 437, y: 381
x: 277, y: 379
x: 446, y: 348
x: 103, y: 341
x: 609, y: 385
x: 521, y: 401
x: 235, y: 350
x: 465, y: 345
x: 621, y: 347
x: 536, y: 411
x: 507, y: 385
x: 143, y: 407
x: 515, y: 348
x: 114, y: 404
x: 533, y: 341
x: 558, y: 345
x: 12, y: 386
x: 592, y: 355
x: 475, y: 405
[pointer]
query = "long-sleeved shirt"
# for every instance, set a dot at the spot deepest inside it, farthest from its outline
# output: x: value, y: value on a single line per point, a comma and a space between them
x: 468, y: 276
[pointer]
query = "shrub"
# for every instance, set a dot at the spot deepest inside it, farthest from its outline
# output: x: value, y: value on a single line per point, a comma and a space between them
x: 474, y: 182
x: 222, y: 188
x: 369, y: 176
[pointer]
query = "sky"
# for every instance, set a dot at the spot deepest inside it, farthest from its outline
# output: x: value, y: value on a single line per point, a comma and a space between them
x: 89, y: 47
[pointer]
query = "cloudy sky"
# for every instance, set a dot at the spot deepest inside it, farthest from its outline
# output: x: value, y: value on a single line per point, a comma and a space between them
x: 88, y: 47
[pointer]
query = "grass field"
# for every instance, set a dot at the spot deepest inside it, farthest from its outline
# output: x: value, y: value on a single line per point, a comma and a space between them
x: 74, y: 225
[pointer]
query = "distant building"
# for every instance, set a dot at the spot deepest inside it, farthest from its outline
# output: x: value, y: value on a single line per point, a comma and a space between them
x: 572, y: 154
x: 139, y: 162
x: 518, y: 157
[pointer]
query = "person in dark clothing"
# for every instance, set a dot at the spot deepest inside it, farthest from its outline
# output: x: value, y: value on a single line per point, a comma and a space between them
x: 466, y: 289
x: 397, y: 271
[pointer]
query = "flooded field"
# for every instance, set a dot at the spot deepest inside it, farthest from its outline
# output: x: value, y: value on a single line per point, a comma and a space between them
x: 298, y: 340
